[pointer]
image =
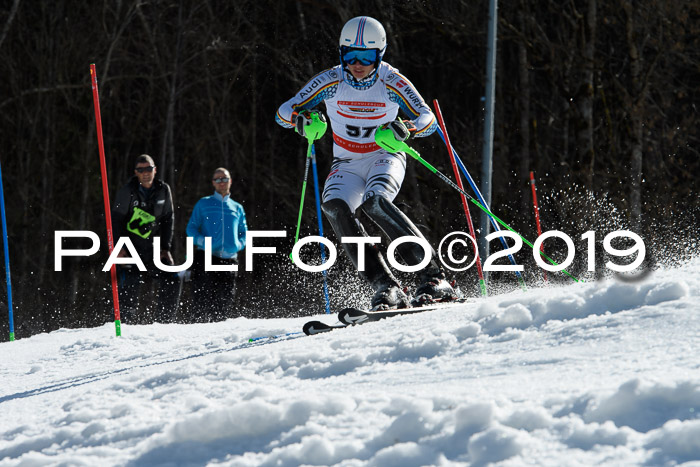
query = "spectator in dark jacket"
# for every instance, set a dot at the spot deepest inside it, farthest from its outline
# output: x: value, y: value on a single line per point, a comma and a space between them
x: 143, y: 210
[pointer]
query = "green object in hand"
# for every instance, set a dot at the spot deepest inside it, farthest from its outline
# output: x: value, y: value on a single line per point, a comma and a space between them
x: 141, y: 223
x: 385, y: 138
x: 314, y: 125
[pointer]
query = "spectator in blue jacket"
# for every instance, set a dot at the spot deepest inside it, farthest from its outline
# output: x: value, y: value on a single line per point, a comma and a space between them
x: 223, y: 220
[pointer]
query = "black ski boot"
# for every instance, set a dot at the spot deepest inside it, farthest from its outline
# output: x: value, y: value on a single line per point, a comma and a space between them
x: 395, y: 224
x: 388, y: 296
x: 388, y: 293
x: 434, y: 288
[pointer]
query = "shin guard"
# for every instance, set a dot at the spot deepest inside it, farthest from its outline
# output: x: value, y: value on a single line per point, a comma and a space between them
x: 395, y: 224
x: 345, y: 224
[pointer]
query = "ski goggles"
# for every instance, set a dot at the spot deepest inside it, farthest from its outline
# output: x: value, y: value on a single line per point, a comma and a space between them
x: 362, y: 56
x: 144, y: 169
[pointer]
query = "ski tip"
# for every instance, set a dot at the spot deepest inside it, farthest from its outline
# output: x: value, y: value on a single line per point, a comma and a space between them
x: 316, y: 327
x: 351, y: 316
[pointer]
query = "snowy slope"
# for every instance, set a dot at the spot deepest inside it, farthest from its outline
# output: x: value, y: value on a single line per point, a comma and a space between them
x: 598, y: 373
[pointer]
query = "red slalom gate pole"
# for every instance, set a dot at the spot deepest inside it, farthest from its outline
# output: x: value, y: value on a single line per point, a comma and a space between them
x: 537, y: 213
x: 105, y: 195
x: 441, y: 122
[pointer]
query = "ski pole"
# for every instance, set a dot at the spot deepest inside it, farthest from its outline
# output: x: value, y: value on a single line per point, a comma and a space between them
x: 314, y: 170
x: 485, y: 204
x: 441, y: 122
x: 303, y: 194
x: 7, y: 260
x: 314, y: 128
x: 384, y: 137
x: 276, y: 336
x: 105, y: 195
x: 537, y: 212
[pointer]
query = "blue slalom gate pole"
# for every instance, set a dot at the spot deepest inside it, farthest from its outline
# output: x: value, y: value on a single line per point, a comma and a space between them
x: 7, y: 259
x: 483, y: 202
x: 320, y: 227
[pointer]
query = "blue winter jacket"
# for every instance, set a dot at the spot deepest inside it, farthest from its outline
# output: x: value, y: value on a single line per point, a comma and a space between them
x: 222, y: 219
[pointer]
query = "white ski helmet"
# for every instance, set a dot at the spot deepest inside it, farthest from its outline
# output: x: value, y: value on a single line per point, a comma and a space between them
x: 363, y: 32
x: 364, y: 40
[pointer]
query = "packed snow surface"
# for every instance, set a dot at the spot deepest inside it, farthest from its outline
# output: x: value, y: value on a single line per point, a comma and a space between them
x: 601, y: 373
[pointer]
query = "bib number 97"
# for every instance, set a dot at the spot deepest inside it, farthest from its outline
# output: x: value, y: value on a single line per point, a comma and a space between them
x: 355, y: 131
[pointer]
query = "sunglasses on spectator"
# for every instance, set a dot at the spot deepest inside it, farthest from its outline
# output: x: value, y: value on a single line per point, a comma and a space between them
x: 145, y: 169
x: 221, y: 180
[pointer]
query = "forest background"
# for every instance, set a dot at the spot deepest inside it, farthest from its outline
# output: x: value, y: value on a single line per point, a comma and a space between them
x: 598, y: 98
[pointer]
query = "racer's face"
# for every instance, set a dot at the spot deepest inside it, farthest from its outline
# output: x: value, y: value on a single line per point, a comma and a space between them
x: 145, y: 172
x: 360, y: 71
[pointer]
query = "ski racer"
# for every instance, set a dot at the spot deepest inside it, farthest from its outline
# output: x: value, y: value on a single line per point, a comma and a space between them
x: 360, y: 95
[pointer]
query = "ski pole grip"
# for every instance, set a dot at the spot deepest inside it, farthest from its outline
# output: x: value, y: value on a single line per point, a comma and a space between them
x: 385, y: 139
x: 315, y: 126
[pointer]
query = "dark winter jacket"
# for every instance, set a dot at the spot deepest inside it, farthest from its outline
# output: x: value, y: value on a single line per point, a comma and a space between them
x: 142, y: 218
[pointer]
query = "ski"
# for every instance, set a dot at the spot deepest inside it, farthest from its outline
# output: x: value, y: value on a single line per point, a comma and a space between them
x: 350, y: 316
x: 317, y: 327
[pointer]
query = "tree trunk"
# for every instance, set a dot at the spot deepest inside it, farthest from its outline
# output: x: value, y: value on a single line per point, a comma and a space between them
x: 584, y: 97
x: 525, y: 164
x: 167, y: 158
x: 638, y: 96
